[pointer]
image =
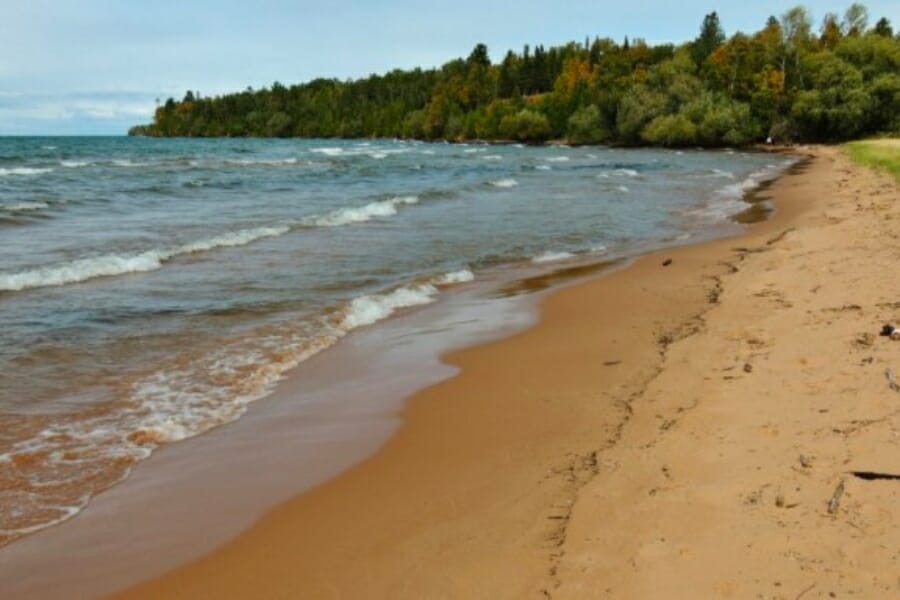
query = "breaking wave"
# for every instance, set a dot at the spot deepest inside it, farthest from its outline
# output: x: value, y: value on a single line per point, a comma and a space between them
x: 346, y: 216
x: 24, y: 206
x: 505, y: 183
x: 24, y: 171
x: 110, y: 265
x: 551, y: 256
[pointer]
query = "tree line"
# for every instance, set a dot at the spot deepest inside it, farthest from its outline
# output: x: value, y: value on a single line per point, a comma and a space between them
x: 789, y: 81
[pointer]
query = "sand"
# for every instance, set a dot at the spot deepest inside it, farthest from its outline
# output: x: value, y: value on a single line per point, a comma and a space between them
x: 663, y: 432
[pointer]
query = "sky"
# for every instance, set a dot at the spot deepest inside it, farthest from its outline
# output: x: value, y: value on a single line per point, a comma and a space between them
x: 85, y: 67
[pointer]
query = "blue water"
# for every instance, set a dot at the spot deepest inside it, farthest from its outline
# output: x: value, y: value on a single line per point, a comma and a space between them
x: 151, y: 288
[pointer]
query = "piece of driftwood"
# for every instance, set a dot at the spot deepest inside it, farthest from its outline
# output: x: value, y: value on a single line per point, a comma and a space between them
x: 892, y: 379
x: 835, y: 501
x: 874, y: 475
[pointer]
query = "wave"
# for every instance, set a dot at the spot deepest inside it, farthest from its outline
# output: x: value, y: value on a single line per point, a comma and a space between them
x: 452, y: 278
x: 24, y: 171
x: 346, y: 216
x: 627, y: 172
x: 505, y: 183
x: 729, y: 200
x: 274, y: 162
x: 543, y: 168
x: 24, y: 206
x: 558, y: 159
x: 551, y: 256
x: 111, y: 265
x: 127, y: 162
x: 74, y: 164
x: 623, y: 189
x: 367, y: 310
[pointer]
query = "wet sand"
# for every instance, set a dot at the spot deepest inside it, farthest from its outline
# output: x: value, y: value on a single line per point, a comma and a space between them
x: 672, y: 429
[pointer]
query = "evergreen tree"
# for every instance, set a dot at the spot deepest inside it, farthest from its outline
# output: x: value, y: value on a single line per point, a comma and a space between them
x: 711, y: 37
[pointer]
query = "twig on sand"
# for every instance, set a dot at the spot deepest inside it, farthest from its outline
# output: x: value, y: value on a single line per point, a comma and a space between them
x: 892, y: 379
x: 835, y: 501
x: 803, y: 593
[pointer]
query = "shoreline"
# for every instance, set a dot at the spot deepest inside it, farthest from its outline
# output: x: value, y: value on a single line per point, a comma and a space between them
x: 457, y: 502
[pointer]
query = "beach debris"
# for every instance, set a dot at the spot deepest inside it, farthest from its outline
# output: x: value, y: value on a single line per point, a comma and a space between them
x: 865, y: 339
x: 890, y: 331
x: 806, y: 461
x: 748, y: 368
x: 892, y: 379
x: 612, y: 363
x: 874, y: 476
x: 779, y: 500
x: 667, y: 262
x: 835, y: 503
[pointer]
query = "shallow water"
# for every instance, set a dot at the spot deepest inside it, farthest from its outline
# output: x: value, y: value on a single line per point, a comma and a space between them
x: 150, y: 289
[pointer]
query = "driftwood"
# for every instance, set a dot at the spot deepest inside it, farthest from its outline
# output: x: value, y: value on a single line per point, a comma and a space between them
x: 873, y: 475
x: 892, y: 379
x: 835, y: 501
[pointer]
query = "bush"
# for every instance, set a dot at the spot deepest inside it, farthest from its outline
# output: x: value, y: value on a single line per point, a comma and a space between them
x: 587, y: 126
x: 670, y: 130
x: 639, y: 106
x: 525, y: 126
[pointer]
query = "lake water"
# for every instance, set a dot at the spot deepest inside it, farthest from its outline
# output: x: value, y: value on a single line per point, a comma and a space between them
x: 151, y: 288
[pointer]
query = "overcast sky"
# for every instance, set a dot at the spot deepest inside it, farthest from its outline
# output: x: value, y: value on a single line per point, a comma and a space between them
x: 98, y: 66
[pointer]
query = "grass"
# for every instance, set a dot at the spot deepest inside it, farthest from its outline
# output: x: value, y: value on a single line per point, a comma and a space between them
x: 881, y: 154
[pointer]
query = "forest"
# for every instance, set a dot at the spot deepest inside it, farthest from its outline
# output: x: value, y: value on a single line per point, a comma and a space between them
x: 790, y: 81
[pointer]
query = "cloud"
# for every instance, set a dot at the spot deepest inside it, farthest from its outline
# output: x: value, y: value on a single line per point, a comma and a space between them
x: 74, y: 112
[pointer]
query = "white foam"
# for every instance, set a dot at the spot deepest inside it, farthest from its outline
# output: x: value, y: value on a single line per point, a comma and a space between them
x: 623, y: 189
x: 551, y: 256
x: 505, y: 183
x: 275, y: 162
x: 81, y: 270
x: 128, y: 163
x: 378, y: 155
x: 74, y: 164
x: 346, y: 216
x: 543, y: 167
x: 111, y: 265
x: 24, y: 171
x: 226, y: 240
x: 598, y: 249
x: 328, y: 151
x: 492, y: 157
x: 24, y: 206
x: 627, y: 172
x: 454, y: 277
x: 729, y: 200
x: 559, y: 159
x: 367, y: 310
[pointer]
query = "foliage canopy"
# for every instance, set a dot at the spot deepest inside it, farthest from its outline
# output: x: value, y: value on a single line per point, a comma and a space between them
x: 787, y: 81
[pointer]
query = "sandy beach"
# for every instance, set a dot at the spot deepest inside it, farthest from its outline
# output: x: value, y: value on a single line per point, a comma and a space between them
x: 686, y: 427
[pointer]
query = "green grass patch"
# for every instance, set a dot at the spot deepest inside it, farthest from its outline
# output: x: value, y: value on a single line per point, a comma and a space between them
x: 881, y: 154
